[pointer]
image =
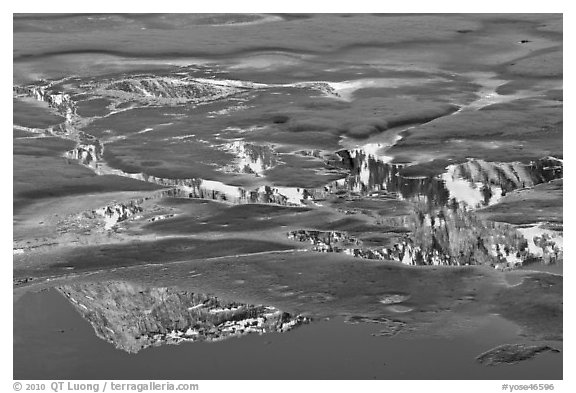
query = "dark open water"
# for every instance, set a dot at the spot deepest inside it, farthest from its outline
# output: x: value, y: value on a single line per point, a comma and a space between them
x: 52, y: 341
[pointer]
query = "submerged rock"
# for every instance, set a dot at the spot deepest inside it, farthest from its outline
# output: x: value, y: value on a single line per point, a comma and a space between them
x: 394, y: 298
x: 390, y: 327
x: 512, y: 353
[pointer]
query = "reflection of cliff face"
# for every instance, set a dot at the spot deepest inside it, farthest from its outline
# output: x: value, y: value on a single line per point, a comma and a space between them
x: 207, y: 189
x: 167, y: 89
x: 251, y: 158
x: 444, y: 237
x: 255, y: 157
x: 461, y: 239
x: 467, y: 239
x: 133, y: 317
x: 369, y: 175
x: 473, y: 184
x: 444, y: 229
x: 478, y: 183
x: 91, y: 155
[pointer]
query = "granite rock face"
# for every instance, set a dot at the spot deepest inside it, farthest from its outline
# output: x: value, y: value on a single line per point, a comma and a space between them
x: 134, y: 317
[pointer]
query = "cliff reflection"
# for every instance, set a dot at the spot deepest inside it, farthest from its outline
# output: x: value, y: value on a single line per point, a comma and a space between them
x: 442, y: 237
x: 134, y: 317
x: 473, y: 184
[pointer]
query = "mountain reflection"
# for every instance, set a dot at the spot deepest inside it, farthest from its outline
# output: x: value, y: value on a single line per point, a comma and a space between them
x: 473, y: 184
x: 443, y: 228
x: 445, y: 236
x: 134, y: 317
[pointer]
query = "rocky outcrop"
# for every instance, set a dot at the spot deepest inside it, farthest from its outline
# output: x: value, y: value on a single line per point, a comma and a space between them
x: 118, y: 212
x: 324, y: 241
x: 512, y: 353
x: 249, y: 158
x: 443, y: 237
x: 389, y: 327
x: 133, y: 317
x: 88, y: 154
x: 60, y: 101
